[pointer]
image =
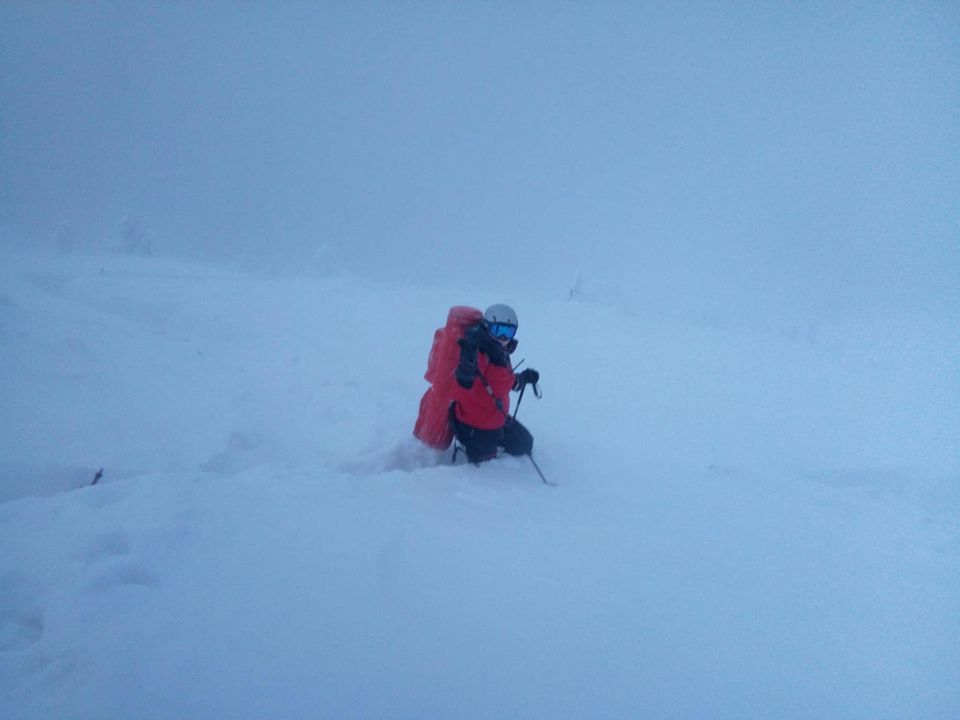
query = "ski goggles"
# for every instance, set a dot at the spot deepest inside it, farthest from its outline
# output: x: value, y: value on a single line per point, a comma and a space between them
x: 503, y: 331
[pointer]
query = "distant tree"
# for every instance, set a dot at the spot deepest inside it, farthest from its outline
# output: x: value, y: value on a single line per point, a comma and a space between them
x: 131, y: 238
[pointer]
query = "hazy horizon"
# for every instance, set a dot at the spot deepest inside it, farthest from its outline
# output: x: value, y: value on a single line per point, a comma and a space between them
x: 802, y: 157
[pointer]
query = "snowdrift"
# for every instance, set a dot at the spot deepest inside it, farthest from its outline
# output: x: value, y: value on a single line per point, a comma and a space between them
x: 751, y: 523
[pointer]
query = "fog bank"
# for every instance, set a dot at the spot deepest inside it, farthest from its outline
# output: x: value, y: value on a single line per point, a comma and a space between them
x: 797, y: 159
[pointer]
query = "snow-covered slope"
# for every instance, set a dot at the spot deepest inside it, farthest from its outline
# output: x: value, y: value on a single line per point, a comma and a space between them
x: 753, y: 521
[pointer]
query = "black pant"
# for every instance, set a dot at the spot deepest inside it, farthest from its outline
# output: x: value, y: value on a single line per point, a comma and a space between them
x: 482, y: 445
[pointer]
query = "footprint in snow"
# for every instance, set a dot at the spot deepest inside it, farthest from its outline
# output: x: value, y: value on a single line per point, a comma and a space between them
x: 21, y: 622
x: 124, y: 574
x: 108, y: 552
x: 105, y: 546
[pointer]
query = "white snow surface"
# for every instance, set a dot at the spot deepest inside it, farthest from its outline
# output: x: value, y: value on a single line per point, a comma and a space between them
x: 752, y: 520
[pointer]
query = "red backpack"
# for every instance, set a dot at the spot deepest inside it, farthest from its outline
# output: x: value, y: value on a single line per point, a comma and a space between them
x: 433, y: 423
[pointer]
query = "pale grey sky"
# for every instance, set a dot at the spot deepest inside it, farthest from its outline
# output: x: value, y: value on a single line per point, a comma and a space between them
x: 755, y: 153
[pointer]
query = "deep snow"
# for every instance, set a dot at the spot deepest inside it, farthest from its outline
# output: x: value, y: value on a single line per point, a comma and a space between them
x: 754, y: 520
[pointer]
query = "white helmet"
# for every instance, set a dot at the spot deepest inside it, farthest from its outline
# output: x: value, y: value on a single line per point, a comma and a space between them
x: 501, y: 321
x: 500, y: 313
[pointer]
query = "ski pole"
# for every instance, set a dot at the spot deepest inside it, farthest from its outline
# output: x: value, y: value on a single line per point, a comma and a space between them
x: 536, y: 391
x: 539, y: 471
x: 518, y: 401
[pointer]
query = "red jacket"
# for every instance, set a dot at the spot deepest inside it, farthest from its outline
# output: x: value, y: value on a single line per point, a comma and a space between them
x: 474, y: 406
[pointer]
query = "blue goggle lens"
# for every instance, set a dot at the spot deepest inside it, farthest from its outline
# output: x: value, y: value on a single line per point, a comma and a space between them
x: 502, y: 330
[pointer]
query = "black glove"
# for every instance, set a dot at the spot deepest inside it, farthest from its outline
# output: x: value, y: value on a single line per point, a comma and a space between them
x: 468, y: 347
x: 467, y: 368
x: 527, y: 377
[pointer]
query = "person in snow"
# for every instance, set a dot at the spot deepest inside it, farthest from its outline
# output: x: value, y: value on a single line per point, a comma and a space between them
x: 480, y: 411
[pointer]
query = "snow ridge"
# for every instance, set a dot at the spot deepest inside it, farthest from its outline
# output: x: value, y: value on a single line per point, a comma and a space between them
x: 750, y: 524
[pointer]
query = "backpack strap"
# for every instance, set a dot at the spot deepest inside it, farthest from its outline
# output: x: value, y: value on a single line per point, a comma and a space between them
x: 496, y: 401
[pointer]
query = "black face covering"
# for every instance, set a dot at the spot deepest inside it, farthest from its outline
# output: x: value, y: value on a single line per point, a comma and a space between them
x: 491, y: 347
